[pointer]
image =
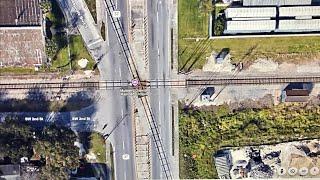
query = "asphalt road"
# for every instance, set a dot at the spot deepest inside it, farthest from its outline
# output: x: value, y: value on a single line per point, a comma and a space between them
x: 112, y: 110
x: 115, y: 109
x: 159, y: 34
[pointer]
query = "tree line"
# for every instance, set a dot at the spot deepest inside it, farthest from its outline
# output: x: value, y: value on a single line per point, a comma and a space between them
x: 53, y: 146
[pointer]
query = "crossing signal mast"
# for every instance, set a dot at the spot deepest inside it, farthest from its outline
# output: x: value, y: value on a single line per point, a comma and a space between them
x: 136, y: 82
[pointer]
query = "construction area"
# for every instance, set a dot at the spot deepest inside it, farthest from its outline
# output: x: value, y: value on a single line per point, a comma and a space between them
x: 285, y: 160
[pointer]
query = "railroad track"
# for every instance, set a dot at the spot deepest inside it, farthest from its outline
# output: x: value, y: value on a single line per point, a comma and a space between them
x: 250, y: 80
x: 109, y: 85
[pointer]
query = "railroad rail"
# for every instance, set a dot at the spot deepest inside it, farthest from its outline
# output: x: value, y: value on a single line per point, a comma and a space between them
x: 192, y: 82
x: 250, y: 80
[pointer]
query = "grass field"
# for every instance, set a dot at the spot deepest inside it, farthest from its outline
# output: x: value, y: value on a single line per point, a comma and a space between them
x: 97, y: 146
x: 77, y: 51
x: 192, y: 23
x: 192, y: 53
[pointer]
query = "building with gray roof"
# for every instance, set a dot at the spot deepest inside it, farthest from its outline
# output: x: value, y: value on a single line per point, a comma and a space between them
x: 223, y: 163
x: 276, y: 2
x: 299, y: 25
x: 20, y: 13
x: 22, y: 41
x: 259, y: 26
x: 299, y: 11
x: 256, y: 12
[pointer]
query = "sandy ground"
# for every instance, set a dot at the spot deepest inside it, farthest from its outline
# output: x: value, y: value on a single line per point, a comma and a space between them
x: 263, y: 66
x: 237, y: 93
x: 230, y: 94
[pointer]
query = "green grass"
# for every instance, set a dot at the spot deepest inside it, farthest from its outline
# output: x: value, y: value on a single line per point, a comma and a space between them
x: 77, y: 52
x: 202, y: 132
x: 17, y: 70
x: 92, y: 8
x: 192, y: 54
x: 61, y: 60
x: 192, y: 22
x: 97, y: 146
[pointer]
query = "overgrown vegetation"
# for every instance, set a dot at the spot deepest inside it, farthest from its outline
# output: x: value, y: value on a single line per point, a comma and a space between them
x: 54, y: 14
x: 53, y: 146
x: 219, y: 26
x: 202, y: 133
x: 56, y: 146
x: 219, y: 20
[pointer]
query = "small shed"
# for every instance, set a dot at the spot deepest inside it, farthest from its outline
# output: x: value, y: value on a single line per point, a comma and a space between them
x: 297, y: 92
x: 223, y: 163
x: 207, y: 94
x: 223, y: 55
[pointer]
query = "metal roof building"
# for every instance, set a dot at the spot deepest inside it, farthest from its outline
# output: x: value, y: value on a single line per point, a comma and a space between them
x: 260, y: 26
x: 20, y: 13
x: 299, y: 25
x: 254, y: 12
x: 299, y: 11
x: 276, y: 2
x: 22, y: 41
x: 223, y: 163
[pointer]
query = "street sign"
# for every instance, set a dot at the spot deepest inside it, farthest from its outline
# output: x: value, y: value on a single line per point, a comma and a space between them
x: 116, y: 14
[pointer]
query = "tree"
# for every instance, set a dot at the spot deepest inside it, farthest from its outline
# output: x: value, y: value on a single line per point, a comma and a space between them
x: 46, y: 6
x: 51, y: 48
x: 16, y: 139
x: 56, y: 146
x: 219, y: 26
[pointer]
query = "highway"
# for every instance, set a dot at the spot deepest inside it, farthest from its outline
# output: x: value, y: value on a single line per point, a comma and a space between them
x: 115, y: 110
x: 159, y: 29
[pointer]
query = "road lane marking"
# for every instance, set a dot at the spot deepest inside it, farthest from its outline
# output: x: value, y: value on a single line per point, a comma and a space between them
x: 122, y: 113
x: 122, y: 144
x: 125, y: 157
x: 120, y: 71
x: 159, y: 106
x: 157, y: 16
x: 125, y: 176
